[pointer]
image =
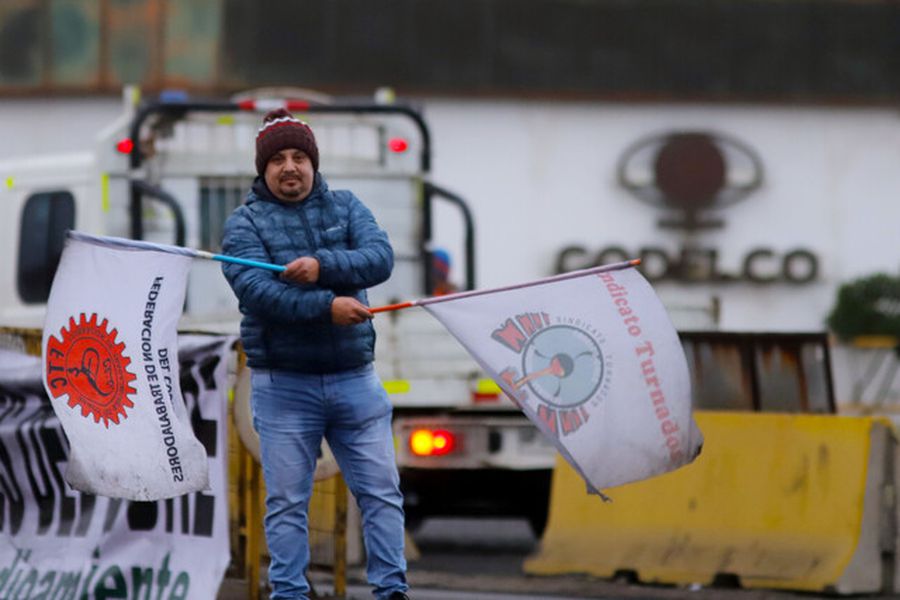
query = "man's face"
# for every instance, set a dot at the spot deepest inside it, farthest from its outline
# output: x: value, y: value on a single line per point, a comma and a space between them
x: 289, y: 175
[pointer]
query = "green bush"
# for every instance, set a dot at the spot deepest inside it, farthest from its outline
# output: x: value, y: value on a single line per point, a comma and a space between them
x: 867, y: 306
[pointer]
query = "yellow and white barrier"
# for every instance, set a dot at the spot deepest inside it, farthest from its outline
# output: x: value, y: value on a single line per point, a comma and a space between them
x: 780, y: 501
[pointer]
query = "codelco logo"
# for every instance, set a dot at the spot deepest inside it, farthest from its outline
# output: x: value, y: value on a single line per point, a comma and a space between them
x: 87, y: 364
x: 690, y: 176
x: 560, y: 365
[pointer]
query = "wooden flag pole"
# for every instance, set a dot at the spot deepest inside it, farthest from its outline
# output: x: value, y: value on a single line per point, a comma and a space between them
x: 390, y: 307
x: 562, y: 276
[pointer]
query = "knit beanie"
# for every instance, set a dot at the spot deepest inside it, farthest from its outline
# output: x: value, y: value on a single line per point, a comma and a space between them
x: 281, y: 130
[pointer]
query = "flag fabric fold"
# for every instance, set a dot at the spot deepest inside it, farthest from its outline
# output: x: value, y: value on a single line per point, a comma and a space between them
x: 110, y: 368
x: 594, y: 361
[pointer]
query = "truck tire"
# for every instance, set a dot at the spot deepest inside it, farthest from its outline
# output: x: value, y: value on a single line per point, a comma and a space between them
x: 537, y: 520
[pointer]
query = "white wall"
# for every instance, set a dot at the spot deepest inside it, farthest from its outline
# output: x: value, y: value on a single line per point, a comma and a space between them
x: 541, y: 175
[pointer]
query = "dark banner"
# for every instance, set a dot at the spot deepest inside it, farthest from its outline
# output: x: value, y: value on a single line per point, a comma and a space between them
x: 59, y: 543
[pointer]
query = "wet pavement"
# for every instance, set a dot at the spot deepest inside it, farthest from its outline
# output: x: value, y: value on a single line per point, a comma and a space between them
x: 480, y: 559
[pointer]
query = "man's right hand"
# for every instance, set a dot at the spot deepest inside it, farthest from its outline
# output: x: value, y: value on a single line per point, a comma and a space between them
x: 348, y: 311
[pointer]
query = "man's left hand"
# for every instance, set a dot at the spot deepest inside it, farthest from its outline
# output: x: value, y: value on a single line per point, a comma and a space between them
x: 302, y: 270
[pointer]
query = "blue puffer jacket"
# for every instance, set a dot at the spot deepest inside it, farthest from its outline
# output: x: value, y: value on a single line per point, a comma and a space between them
x: 287, y: 325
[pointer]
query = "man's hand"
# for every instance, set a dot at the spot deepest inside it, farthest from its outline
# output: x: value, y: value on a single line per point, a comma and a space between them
x: 348, y: 311
x: 302, y: 270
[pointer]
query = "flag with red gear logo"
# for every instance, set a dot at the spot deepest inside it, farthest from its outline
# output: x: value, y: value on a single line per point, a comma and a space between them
x: 110, y: 368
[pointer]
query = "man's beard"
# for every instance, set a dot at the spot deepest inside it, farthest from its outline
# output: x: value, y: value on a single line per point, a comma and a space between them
x: 294, y: 191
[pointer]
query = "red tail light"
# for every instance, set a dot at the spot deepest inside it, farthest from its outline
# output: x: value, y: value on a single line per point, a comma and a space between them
x: 125, y: 146
x: 398, y: 145
x: 431, y: 442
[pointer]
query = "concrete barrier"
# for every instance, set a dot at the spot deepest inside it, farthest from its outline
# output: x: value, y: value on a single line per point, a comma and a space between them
x: 778, y: 501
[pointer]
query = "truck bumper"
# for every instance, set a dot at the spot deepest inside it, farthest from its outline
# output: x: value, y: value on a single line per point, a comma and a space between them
x: 476, y: 492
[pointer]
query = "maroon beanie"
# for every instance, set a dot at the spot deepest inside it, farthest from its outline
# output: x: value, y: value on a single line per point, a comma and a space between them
x: 281, y: 130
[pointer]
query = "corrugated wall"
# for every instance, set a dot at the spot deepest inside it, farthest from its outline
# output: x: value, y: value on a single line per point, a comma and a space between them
x: 760, y: 50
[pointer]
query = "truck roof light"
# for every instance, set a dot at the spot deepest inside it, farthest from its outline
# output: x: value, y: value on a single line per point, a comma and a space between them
x: 174, y: 96
x: 398, y: 145
x: 428, y: 442
x: 267, y: 104
x: 295, y: 105
x: 125, y: 146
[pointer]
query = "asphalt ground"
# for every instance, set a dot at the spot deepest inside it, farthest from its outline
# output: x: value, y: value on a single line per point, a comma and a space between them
x: 480, y: 559
x: 429, y: 585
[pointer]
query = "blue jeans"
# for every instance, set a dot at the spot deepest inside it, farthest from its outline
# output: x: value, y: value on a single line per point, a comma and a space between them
x: 291, y: 413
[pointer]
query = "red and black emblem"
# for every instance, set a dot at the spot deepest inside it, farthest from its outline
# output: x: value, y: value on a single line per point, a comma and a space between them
x: 87, y: 364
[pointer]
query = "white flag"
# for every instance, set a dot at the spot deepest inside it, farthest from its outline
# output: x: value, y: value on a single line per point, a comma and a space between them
x: 594, y: 361
x: 110, y: 361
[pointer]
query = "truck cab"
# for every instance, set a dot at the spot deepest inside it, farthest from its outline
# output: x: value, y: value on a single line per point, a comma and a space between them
x: 171, y: 170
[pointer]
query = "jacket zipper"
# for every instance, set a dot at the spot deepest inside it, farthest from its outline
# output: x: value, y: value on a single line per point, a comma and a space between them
x: 315, y: 246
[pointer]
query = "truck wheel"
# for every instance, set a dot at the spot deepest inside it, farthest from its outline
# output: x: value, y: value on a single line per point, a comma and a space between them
x: 412, y: 521
x: 537, y: 520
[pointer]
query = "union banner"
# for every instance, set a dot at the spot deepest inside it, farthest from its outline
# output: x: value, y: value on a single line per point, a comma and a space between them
x: 594, y: 361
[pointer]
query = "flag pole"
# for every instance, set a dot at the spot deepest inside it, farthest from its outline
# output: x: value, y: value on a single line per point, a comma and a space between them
x: 391, y: 307
x: 241, y: 261
x: 468, y: 294
x: 190, y: 252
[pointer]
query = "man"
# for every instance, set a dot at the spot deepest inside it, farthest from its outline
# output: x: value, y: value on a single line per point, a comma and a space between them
x: 310, y: 344
x: 440, y: 269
